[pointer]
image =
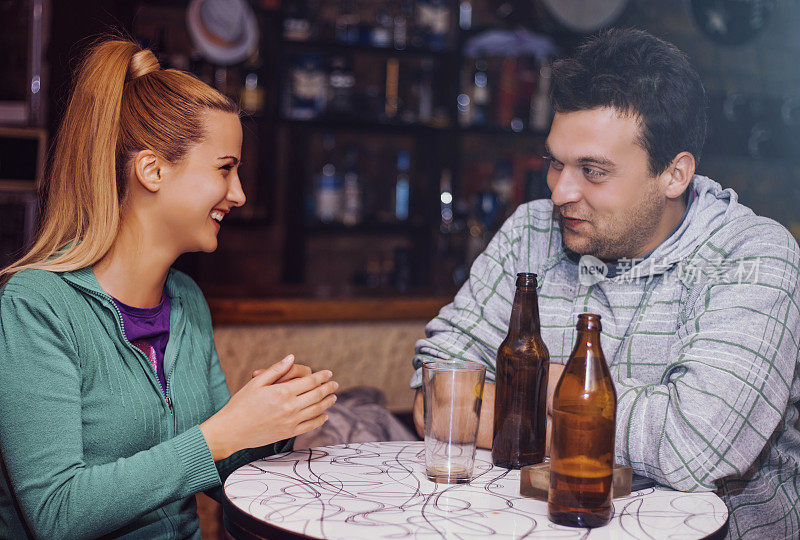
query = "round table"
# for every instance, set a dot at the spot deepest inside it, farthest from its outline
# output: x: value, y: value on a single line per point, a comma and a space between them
x: 379, y: 490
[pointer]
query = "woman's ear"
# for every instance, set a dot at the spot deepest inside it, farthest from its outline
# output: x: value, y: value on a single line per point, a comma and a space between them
x: 147, y: 168
x: 679, y: 175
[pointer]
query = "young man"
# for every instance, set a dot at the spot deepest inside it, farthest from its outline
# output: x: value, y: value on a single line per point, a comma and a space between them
x: 699, y: 303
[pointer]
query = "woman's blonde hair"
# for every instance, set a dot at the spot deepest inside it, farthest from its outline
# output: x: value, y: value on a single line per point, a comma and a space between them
x: 123, y: 102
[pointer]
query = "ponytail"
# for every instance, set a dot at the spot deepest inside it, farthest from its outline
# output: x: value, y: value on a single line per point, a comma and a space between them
x: 123, y: 102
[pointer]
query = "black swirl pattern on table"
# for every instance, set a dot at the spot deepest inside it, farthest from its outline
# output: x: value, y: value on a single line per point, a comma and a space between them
x: 379, y: 490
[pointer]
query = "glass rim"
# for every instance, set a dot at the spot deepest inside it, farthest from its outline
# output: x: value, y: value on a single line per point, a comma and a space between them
x: 453, y: 365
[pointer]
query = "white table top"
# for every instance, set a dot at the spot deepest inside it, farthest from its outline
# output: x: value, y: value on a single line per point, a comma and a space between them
x: 379, y: 490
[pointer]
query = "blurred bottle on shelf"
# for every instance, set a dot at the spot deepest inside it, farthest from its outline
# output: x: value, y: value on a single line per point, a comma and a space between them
x: 425, y: 85
x: 387, y: 270
x: 352, y: 212
x: 417, y: 31
x: 297, y: 21
x: 402, y: 275
x: 307, y: 95
x: 221, y: 81
x: 383, y: 30
x: 329, y: 187
x: 433, y: 22
x: 392, y: 89
x: 503, y: 185
x: 446, y: 201
x: 372, y: 104
x: 402, y: 186
x: 400, y: 31
x: 479, y: 99
x: 373, y: 272
x: 341, y: 86
x: 526, y: 76
x: 482, y: 223
x: 541, y: 111
x: 464, y: 106
x: 506, y: 92
x: 252, y: 90
x: 465, y: 15
x: 346, y: 25
x: 448, y: 268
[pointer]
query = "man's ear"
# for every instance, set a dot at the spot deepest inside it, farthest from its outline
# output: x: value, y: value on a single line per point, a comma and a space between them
x: 148, y: 170
x: 678, y: 175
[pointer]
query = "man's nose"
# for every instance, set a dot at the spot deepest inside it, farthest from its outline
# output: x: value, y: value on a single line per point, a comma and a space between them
x: 565, y: 186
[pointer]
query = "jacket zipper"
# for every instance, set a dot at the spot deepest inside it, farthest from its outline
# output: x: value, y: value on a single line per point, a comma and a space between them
x: 165, y: 396
x: 165, y: 399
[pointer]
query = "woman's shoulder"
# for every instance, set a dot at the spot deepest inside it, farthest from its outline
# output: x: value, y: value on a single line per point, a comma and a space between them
x: 43, y: 295
x: 34, y: 283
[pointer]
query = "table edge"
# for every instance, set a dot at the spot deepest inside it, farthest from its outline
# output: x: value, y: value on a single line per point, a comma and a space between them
x: 238, y: 518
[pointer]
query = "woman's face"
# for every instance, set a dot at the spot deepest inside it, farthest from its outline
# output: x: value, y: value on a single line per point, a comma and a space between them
x: 198, y: 192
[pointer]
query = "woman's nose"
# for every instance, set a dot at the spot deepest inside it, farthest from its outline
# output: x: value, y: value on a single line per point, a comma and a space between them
x: 235, y: 192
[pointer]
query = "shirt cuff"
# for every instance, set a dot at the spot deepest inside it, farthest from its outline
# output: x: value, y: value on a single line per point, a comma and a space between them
x: 198, y: 463
x: 416, y: 379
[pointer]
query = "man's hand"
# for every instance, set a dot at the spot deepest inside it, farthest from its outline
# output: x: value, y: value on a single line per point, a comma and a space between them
x: 486, y: 426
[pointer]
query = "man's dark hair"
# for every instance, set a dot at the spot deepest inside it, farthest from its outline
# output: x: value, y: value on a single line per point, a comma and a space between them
x: 638, y: 74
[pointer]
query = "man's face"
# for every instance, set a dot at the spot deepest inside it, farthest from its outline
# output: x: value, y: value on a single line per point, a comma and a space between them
x: 606, y: 201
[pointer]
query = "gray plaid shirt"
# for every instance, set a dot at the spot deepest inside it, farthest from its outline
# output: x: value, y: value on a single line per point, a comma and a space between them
x: 702, y: 340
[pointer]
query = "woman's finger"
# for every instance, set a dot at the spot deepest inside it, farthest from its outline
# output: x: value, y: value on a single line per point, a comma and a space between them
x: 317, y: 408
x: 309, y: 425
x: 274, y: 372
x: 315, y: 395
x: 304, y: 384
x: 297, y: 371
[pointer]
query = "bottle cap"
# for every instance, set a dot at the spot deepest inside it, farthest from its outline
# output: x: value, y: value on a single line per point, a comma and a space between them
x: 526, y: 279
x: 589, y: 321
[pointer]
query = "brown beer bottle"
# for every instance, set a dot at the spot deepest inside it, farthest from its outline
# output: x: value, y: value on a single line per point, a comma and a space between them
x: 520, y: 400
x: 582, y: 450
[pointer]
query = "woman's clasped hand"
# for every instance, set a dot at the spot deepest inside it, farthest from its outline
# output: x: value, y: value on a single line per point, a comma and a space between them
x: 282, y: 401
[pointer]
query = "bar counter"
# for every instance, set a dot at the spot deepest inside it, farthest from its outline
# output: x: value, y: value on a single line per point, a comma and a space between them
x: 225, y: 311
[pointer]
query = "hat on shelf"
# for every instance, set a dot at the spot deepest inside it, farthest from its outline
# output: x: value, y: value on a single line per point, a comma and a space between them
x: 224, y: 31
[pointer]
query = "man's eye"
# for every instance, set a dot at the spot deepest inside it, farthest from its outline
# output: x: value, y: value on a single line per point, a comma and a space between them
x: 227, y: 167
x: 557, y: 165
x: 593, y: 173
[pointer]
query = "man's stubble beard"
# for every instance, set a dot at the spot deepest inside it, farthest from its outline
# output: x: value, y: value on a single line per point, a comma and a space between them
x: 622, y: 236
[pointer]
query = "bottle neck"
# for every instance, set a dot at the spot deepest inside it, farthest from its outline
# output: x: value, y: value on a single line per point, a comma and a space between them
x: 588, y: 339
x: 587, y: 358
x: 525, y: 313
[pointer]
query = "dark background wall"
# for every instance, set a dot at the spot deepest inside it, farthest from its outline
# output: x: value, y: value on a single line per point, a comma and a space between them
x: 763, y: 73
x: 758, y: 78
x: 751, y: 148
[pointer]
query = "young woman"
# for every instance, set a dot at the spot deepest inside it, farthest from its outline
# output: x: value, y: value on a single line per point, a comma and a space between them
x: 114, y: 408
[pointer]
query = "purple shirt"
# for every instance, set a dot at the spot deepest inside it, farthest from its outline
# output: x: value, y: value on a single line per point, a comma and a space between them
x: 148, y: 330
